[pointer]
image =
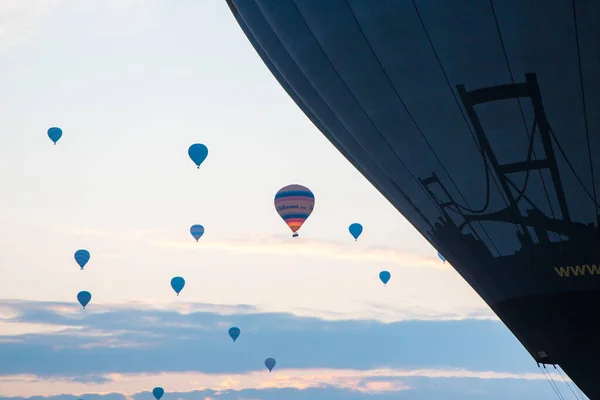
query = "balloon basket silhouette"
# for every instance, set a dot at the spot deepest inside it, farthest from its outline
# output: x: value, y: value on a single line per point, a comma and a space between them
x: 295, y: 235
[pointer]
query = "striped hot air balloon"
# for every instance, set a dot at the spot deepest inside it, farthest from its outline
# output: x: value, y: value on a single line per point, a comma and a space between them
x: 294, y: 203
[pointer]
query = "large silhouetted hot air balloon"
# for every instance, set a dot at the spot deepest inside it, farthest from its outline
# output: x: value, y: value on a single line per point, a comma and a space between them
x: 84, y: 298
x: 294, y: 204
x: 481, y: 126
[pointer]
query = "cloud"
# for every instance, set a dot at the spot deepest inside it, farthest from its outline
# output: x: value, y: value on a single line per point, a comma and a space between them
x: 10, y: 313
x: 378, y: 384
x: 386, y: 380
x: 120, y: 352
x: 11, y: 328
x: 280, y: 245
x: 126, y: 340
x: 424, y: 287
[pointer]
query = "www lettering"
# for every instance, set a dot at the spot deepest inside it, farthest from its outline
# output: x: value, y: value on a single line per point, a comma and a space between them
x: 281, y: 208
x: 577, y: 270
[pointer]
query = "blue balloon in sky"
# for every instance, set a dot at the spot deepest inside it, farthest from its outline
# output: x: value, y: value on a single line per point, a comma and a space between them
x: 177, y: 284
x: 234, y: 333
x: 82, y: 257
x: 158, y: 392
x: 84, y: 298
x: 385, y: 277
x: 197, y: 231
x: 355, y: 230
x: 270, y: 363
x: 198, y: 153
x: 54, y: 134
x: 441, y: 257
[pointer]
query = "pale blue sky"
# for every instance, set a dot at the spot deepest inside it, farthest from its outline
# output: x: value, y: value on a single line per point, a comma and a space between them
x: 133, y: 83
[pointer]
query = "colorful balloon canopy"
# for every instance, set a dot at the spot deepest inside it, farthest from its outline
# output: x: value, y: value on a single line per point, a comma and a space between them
x: 84, y: 298
x: 294, y: 204
x: 158, y: 392
x: 177, y: 283
x: 198, y: 153
x: 270, y: 363
x: 385, y: 277
x: 441, y: 257
x: 197, y: 231
x: 355, y: 230
x: 82, y: 257
x: 234, y: 333
x: 55, y: 134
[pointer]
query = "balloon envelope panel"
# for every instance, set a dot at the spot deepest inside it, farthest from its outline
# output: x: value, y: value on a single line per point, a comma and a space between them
x: 480, y: 124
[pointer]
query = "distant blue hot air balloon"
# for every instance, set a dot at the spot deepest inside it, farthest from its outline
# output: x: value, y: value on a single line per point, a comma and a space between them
x: 442, y: 257
x: 55, y: 134
x: 82, y: 257
x: 270, y: 363
x: 355, y: 230
x: 177, y: 284
x: 234, y: 333
x: 84, y: 298
x: 197, y: 231
x: 198, y: 153
x: 158, y: 392
x: 385, y: 277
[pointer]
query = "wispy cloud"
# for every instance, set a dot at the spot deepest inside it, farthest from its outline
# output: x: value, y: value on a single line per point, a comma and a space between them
x: 10, y: 325
x: 280, y: 245
x: 11, y: 328
x: 354, y: 380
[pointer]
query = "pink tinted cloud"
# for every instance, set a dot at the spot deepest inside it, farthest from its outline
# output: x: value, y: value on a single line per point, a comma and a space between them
x: 281, y: 245
x: 366, y: 381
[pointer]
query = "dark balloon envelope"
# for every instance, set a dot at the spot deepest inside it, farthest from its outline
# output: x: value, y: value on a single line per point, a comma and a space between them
x: 479, y: 121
